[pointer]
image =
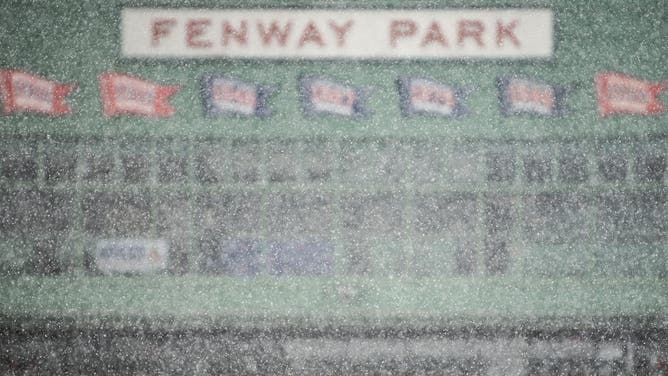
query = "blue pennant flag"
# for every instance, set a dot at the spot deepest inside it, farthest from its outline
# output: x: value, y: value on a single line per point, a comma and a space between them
x: 429, y: 97
x: 320, y: 95
x: 527, y: 96
x: 226, y: 95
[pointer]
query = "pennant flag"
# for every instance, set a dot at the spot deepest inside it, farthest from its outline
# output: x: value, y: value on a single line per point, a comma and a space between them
x: 125, y: 94
x: 22, y: 91
x: 618, y: 92
x: 321, y: 95
x: 425, y: 96
x: 225, y: 95
x: 527, y: 96
x: 301, y: 257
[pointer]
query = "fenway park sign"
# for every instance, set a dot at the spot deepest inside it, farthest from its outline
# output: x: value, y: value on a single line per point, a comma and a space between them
x: 332, y: 34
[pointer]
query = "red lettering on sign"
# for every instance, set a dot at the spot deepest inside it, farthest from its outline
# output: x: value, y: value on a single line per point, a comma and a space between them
x: 506, y: 31
x: 470, y: 29
x: 311, y: 34
x: 231, y: 93
x: 434, y: 35
x: 240, y: 34
x: 274, y: 31
x: 161, y: 28
x: 400, y: 29
x: 130, y: 93
x: 622, y: 92
x: 325, y: 93
x: 340, y: 31
x: 522, y: 93
x: 428, y: 94
x: 194, y: 30
x: 26, y: 89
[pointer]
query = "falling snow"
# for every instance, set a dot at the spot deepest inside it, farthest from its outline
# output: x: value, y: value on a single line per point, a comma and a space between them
x: 453, y: 214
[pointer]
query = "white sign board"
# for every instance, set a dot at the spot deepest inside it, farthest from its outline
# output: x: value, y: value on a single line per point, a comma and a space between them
x: 332, y: 34
x: 131, y: 255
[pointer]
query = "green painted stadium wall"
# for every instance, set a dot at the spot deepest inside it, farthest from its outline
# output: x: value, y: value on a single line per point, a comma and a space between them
x: 586, y: 276
x: 75, y: 41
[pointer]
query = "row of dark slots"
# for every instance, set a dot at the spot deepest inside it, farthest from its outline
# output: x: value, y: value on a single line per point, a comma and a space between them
x: 562, y: 214
x: 301, y: 227
x: 225, y: 225
x: 361, y: 161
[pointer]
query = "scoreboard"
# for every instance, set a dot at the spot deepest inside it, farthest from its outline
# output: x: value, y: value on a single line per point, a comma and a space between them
x: 467, y: 154
x: 333, y: 187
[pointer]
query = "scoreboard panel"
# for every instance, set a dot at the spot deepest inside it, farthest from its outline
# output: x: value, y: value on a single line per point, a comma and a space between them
x: 338, y: 174
x: 371, y: 206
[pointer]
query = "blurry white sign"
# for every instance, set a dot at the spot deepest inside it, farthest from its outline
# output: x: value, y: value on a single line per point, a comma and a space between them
x: 131, y: 255
x: 511, y: 33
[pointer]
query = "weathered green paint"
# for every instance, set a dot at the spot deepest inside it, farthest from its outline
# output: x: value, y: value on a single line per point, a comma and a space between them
x: 76, y: 41
x: 73, y: 42
x: 380, y: 302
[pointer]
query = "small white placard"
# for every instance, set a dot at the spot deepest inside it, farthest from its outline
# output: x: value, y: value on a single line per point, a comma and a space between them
x: 131, y: 255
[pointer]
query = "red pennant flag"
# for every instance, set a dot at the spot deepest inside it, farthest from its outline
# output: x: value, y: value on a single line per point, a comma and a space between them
x: 618, y: 92
x: 125, y: 94
x: 22, y: 91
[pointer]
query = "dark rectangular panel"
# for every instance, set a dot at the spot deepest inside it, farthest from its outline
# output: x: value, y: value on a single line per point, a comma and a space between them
x: 650, y: 168
x: 537, y: 169
x: 99, y: 166
x: 301, y: 257
x: 463, y: 164
x: 573, y: 167
x: 173, y: 214
x: 117, y: 214
x: 246, y: 159
x: 369, y: 161
x: 357, y: 257
x: 500, y: 163
x: 438, y: 212
x: 44, y: 259
x: 211, y: 161
x: 633, y: 217
x: 376, y: 213
x: 239, y: 257
x: 56, y: 211
x: 612, y: 167
x: 430, y: 161
x: 497, y: 256
x: 172, y: 168
x: 557, y: 218
x: 172, y: 161
x: 60, y: 166
x: 282, y: 160
x: 499, y: 214
x: 19, y: 167
x: 465, y: 258
x: 9, y: 210
x: 320, y: 159
x: 299, y: 213
x: 173, y: 218
x: 135, y: 159
x: 230, y: 212
x: 19, y: 159
x: 36, y: 212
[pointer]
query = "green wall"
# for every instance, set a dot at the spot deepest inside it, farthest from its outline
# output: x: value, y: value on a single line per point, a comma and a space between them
x: 74, y: 41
